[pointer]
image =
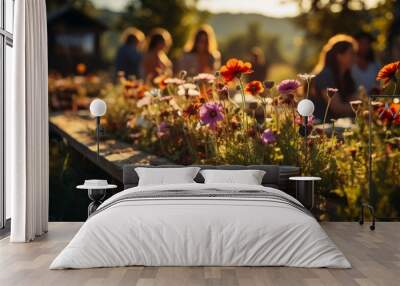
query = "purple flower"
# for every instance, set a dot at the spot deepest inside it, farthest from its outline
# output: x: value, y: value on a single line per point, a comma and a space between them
x: 210, y: 113
x: 163, y: 130
x: 268, y: 137
x: 288, y: 86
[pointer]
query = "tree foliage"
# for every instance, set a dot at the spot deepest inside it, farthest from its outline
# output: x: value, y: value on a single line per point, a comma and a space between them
x: 321, y: 19
x: 86, y: 6
x: 240, y: 45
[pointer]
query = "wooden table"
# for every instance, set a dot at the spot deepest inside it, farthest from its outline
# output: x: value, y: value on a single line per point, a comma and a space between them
x: 79, y: 131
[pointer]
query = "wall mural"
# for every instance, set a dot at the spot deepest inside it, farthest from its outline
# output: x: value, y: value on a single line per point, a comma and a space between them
x: 195, y: 103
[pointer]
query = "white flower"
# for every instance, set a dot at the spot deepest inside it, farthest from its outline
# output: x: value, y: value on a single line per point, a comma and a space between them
x: 143, y: 101
x: 193, y: 92
x: 306, y: 76
x: 188, y: 89
x: 376, y: 103
x: 204, y: 77
x: 330, y: 91
x: 355, y: 102
x: 269, y: 101
x: 155, y: 92
x: 174, y: 80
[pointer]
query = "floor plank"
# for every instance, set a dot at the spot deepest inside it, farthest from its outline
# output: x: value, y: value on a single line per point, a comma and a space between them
x: 375, y: 257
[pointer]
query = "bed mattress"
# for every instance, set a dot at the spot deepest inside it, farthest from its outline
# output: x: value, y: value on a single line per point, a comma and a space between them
x: 201, y: 225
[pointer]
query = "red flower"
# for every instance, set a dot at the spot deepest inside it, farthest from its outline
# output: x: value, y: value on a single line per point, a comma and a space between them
x: 388, y: 115
x: 254, y: 87
x: 388, y: 72
x: 234, y: 68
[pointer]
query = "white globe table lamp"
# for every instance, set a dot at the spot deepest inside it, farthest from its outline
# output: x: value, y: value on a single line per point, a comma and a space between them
x: 305, y: 108
x: 98, y: 108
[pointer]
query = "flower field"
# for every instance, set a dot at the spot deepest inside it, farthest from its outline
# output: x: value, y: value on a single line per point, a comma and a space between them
x: 222, y: 119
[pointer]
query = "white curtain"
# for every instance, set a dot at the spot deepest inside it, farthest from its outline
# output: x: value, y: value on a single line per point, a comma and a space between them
x: 27, y: 124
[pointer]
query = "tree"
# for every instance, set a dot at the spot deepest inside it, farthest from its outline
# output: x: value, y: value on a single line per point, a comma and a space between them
x: 83, y: 5
x: 321, y: 19
x: 240, y: 45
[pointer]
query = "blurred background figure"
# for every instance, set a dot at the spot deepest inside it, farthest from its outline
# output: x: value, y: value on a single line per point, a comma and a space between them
x: 260, y: 67
x: 366, y: 67
x: 201, y: 53
x: 129, y: 57
x: 155, y: 60
x: 334, y: 71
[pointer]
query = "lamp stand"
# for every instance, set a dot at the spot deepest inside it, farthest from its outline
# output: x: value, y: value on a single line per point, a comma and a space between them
x: 305, y: 139
x: 364, y: 204
x: 98, y: 136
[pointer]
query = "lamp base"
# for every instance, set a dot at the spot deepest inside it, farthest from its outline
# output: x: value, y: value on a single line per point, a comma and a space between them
x: 372, y: 212
x: 96, y: 196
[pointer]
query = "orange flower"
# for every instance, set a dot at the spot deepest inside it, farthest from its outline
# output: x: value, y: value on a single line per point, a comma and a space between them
x: 388, y: 72
x: 234, y: 68
x: 160, y: 81
x: 81, y: 68
x: 141, y: 91
x: 254, y: 87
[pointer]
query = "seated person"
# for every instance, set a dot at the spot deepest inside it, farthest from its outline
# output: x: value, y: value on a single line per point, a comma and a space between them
x: 201, y: 53
x: 129, y: 57
x: 334, y: 71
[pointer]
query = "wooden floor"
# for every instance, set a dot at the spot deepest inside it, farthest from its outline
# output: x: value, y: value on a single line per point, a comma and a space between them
x: 375, y: 257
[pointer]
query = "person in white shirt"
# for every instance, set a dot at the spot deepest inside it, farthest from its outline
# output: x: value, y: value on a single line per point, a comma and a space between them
x: 366, y: 67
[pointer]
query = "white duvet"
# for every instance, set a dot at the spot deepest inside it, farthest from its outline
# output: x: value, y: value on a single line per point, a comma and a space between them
x: 200, y: 231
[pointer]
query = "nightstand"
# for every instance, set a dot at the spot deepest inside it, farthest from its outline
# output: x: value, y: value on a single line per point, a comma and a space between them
x: 96, y: 191
x: 305, y: 190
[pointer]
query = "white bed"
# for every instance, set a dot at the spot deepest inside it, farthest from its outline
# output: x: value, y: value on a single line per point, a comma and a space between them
x: 204, y: 231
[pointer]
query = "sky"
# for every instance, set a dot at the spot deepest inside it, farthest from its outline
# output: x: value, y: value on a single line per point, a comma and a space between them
x: 273, y: 8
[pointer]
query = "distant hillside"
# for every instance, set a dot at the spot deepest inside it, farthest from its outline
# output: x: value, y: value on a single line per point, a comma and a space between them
x: 226, y: 24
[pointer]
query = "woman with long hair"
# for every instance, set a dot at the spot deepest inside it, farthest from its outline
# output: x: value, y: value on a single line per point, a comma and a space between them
x: 155, y: 60
x: 334, y: 71
x: 366, y: 68
x: 129, y: 56
x: 201, y: 52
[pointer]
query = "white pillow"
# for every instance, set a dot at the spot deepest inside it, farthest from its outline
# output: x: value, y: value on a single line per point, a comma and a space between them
x: 166, y: 176
x: 248, y: 177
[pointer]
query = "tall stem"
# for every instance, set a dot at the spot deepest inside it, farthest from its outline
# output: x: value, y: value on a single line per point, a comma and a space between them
x: 326, y: 111
x: 245, y: 127
x: 245, y: 123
